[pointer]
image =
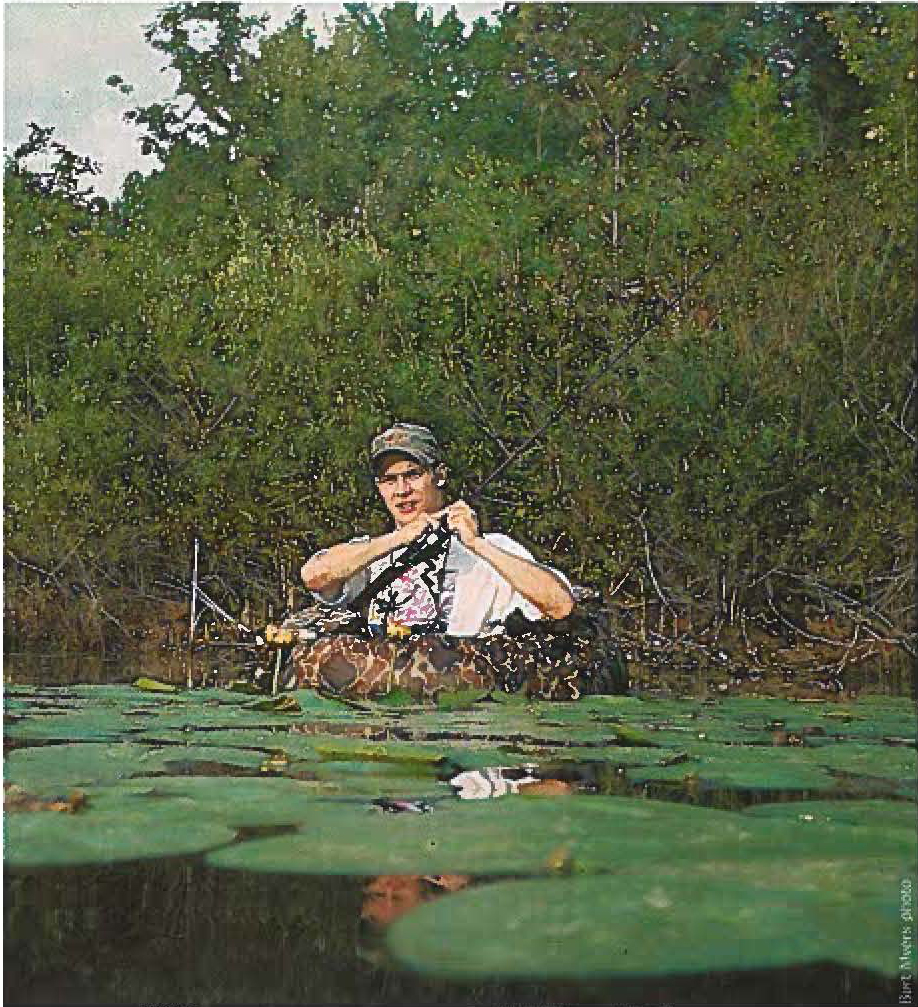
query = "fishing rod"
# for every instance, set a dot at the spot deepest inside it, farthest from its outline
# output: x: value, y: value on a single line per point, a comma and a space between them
x: 198, y: 593
x: 660, y: 316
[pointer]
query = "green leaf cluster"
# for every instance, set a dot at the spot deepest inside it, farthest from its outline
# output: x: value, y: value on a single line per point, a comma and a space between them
x: 459, y: 226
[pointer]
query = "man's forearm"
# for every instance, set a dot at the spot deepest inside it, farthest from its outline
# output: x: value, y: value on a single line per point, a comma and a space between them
x: 329, y: 570
x: 542, y: 587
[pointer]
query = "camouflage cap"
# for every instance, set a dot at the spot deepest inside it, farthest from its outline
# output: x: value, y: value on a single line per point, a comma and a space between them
x: 408, y: 439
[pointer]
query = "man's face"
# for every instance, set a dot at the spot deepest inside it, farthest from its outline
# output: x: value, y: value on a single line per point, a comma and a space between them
x: 408, y: 489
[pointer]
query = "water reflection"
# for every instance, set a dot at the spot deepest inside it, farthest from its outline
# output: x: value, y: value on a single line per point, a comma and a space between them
x: 493, y: 781
x: 177, y: 932
x: 389, y: 896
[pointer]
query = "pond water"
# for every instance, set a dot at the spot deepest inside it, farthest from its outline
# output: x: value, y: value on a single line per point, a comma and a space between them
x: 200, y: 847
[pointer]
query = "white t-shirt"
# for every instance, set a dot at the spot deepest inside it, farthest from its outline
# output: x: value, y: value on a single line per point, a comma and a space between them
x: 475, y: 598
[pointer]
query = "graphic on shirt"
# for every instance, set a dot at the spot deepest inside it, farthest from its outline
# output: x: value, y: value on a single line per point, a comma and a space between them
x: 416, y: 598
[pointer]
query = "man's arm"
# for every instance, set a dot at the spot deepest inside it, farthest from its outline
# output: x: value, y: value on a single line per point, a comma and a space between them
x: 544, y: 588
x: 326, y: 572
x: 535, y: 583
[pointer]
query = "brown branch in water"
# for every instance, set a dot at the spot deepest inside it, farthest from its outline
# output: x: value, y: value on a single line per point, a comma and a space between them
x: 852, y: 609
x: 802, y: 632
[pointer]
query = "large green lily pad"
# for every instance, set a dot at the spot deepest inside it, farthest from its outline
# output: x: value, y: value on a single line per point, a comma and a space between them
x: 134, y: 829
x: 78, y: 724
x: 107, y: 712
x: 869, y: 813
x: 754, y: 768
x: 266, y: 738
x: 237, y: 802
x: 395, y: 780
x: 893, y: 763
x: 638, y: 923
x: 49, y: 770
x: 349, y: 749
x: 517, y: 836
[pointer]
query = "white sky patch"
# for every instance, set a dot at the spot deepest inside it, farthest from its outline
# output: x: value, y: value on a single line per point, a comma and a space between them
x: 57, y: 57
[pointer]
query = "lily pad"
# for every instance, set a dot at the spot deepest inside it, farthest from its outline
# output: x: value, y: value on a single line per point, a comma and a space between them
x: 869, y: 760
x: 52, y: 769
x: 349, y: 749
x: 133, y: 830
x: 153, y: 685
x: 871, y: 814
x: 460, y: 699
x: 744, y: 768
x: 237, y: 802
x: 380, y: 779
x: 267, y: 738
x: 80, y: 724
x: 626, y: 735
x: 519, y: 836
x: 614, y: 755
x: 284, y: 703
x: 636, y: 924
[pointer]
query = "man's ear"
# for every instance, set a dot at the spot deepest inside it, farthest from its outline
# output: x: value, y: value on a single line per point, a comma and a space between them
x: 440, y: 473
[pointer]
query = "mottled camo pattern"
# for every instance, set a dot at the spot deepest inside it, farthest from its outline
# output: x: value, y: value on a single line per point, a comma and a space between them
x: 357, y: 667
x: 552, y: 661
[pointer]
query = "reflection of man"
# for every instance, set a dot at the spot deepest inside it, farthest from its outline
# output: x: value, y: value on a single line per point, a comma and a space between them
x: 465, y: 589
x: 389, y: 896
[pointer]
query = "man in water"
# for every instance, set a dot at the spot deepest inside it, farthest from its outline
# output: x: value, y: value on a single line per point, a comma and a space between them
x: 435, y: 604
x: 466, y: 591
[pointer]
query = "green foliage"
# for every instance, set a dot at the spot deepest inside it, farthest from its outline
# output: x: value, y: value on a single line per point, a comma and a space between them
x: 460, y: 228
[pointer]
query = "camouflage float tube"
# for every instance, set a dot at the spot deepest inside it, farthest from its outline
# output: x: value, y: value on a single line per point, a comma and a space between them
x: 333, y: 650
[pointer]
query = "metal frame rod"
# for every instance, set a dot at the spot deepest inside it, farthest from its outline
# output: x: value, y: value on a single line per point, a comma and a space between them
x: 194, y: 596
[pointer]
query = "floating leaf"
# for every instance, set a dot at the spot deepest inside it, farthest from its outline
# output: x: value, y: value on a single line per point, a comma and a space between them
x: 872, y: 814
x: 870, y: 760
x: 51, y: 770
x: 350, y: 749
x: 459, y: 699
x: 755, y: 768
x: 134, y: 829
x: 153, y: 685
x: 637, y: 923
x: 516, y: 836
x: 239, y: 802
x: 285, y: 703
x: 397, y: 697
x: 86, y: 724
x: 629, y: 736
x: 397, y: 780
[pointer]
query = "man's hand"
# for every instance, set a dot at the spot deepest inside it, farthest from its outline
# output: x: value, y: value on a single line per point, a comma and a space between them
x: 414, y: 529
x: 461, y: 519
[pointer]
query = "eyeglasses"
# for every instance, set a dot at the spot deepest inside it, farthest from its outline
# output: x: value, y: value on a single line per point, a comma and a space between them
x: 411, y: 476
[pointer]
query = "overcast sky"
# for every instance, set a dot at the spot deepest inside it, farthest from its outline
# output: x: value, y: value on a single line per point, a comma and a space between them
x: 57, y: 57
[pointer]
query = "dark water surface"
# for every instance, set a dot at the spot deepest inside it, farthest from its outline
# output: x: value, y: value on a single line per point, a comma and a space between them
x: 175, y: 932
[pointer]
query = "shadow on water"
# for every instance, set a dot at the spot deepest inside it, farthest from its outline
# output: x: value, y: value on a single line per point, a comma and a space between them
x: 175, y: 931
